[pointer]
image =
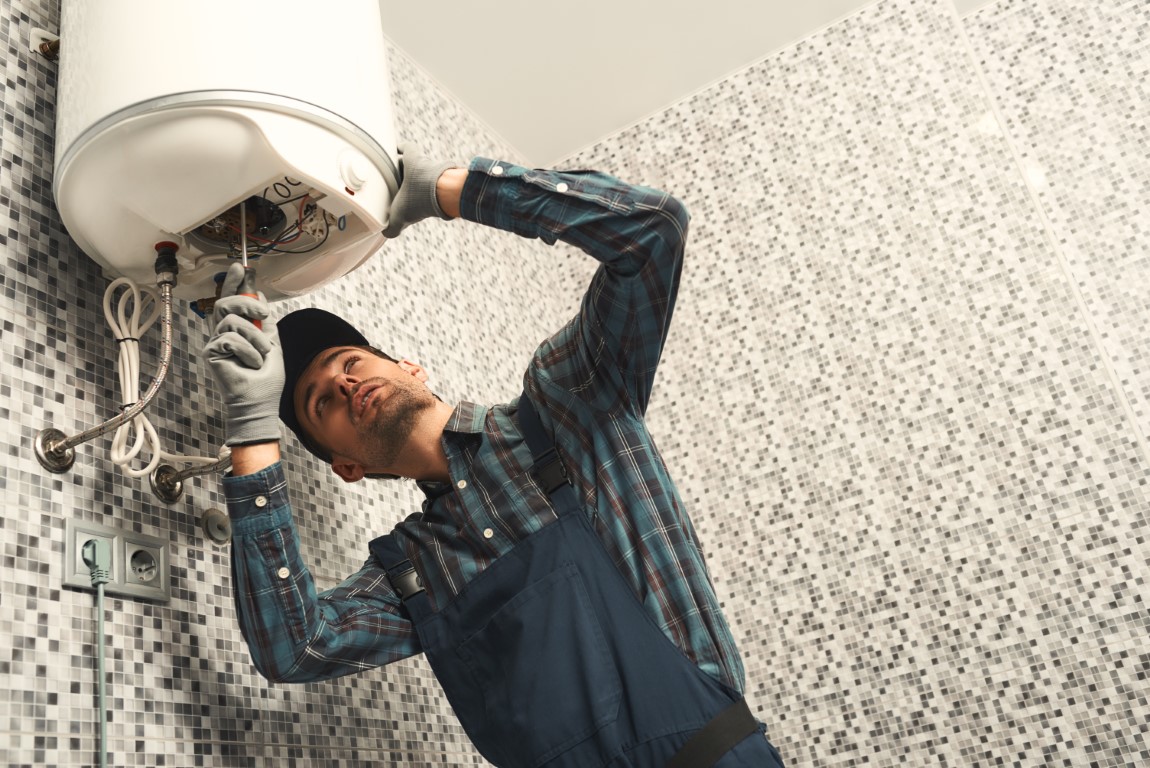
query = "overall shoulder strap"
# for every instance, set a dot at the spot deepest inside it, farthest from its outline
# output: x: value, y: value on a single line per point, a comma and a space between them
x: 548, y: 470
x: 402, y: 575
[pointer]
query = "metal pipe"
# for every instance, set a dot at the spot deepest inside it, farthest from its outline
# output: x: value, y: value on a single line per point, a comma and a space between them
x: 168, y: 482
x: 223, y: 465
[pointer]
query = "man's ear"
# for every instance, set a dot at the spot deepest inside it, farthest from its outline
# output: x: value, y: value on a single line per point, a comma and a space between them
x: 415, y: 369
x: 348, y: 471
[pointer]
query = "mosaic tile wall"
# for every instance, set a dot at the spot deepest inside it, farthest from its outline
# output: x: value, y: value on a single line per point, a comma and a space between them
x: 904, y: 396
x: 908, y: 392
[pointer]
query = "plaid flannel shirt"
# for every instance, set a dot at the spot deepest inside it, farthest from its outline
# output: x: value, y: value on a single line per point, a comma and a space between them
x: 590, y: 382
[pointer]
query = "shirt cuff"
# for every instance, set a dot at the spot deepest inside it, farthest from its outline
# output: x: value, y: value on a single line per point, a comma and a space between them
x: 484, y: 192
x: 258, y: 501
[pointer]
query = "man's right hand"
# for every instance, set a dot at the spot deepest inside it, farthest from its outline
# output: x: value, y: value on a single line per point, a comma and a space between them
x: 416, y: 199
x: 247, y: 362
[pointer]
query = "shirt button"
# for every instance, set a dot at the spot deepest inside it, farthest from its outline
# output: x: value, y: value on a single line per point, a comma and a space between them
x: 261, y: 501
x: 461, y: 484
x: 488, y: 533
x: 560, y: 187
x: 497, y: 170
x: 283, y: 573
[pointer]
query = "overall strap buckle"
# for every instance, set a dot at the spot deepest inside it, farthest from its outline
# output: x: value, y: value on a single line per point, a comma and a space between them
x: 548, y: 469
x: 400, y: 571
x: 407, y: 583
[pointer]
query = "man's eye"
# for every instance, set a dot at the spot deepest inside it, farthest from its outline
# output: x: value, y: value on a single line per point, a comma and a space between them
x: 349, y: 363
x: 319, y: 405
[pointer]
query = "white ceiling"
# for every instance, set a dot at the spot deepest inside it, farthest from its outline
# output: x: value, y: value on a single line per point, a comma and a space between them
x: 552, y: 78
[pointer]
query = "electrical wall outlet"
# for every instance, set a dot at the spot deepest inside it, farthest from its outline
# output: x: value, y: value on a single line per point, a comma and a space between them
x: 140, y: 566
x: 76, y: 571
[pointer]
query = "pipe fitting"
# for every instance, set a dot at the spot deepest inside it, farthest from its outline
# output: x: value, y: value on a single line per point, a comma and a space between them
x: 167, y: 268
x: 50, y: 50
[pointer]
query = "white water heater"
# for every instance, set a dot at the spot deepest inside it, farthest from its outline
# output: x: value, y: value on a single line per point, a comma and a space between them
x: 177, y: 120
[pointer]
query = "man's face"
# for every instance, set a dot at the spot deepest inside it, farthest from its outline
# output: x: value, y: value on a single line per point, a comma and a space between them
x: 361, y: 407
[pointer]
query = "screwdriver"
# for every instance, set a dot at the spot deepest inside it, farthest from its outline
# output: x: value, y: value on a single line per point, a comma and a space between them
x: 249, y: 285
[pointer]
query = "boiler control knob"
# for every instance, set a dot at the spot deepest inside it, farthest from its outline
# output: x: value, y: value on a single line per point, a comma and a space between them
x: 354, y: 169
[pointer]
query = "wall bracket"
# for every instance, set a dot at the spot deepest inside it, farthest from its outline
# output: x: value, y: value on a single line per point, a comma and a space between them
x: 45, y: 43
x: 52, y: 452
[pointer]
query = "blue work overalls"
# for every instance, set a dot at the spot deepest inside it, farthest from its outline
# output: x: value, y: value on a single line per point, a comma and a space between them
x: 548, y: 658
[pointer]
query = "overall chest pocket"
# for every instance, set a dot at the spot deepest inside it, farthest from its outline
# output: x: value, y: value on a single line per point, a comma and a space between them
x: 546, y: 676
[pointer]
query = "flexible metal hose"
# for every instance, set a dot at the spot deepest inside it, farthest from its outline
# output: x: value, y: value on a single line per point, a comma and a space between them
x: 134, y: 409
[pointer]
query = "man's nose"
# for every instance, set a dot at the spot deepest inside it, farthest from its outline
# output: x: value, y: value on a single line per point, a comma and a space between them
x: 346, y: 383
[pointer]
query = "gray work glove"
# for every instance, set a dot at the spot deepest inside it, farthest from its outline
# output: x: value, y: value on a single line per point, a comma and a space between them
x: 247, y: 361
x: 416, y: 198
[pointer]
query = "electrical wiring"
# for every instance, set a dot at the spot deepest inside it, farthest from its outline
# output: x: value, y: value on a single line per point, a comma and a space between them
x: 269, y: 245
x: 301, y: 218
x: 327, y: 232
x: 261, y: 246
x: 133, y: 314
x: 258, y: 239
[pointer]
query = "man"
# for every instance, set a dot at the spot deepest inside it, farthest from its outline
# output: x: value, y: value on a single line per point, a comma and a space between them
x: 553, y: 577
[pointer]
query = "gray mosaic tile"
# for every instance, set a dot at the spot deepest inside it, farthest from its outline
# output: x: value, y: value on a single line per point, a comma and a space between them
x: 1070, y: 81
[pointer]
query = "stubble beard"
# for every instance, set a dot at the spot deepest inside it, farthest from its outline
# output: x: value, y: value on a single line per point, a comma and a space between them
x: 386, y: 432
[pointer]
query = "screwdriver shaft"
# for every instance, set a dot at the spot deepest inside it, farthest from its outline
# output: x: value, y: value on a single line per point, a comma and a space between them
x: 244, y: 234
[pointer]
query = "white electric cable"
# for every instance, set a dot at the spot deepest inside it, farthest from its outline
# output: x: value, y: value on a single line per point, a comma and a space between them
x: 97, y: 556
x: 102, y: 700
x: 136, y: 311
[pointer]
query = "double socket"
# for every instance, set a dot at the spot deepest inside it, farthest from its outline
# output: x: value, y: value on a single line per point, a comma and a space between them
x: 140, y: 566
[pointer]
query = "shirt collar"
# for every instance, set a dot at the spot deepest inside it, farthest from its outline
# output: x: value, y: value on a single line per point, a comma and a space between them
x: 467, y: 418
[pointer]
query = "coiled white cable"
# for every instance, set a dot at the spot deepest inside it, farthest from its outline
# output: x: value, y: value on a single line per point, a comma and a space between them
x: 136, y: 311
